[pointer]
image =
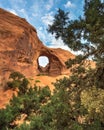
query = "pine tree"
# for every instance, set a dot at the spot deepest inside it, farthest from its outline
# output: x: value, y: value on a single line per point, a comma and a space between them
x: 59, y: 24
x: 77, y: 102
x: 86, y: 34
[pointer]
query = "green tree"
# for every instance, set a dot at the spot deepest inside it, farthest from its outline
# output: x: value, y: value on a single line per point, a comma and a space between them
x: 59, y: 24
x: 77, y: 101
x: 15, y: 80
x: 16, y: 76
x: 86, y: 34
x: 19, y: 81
x: 29, y: 103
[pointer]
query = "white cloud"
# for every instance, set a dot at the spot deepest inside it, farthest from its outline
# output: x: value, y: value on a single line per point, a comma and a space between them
x: 43, y: 36
x: 13, y: 11
x: 69, y: 4
x: 57, y: 43
x: 40, y: 28
x: 49, y: 5
x: 51, y: 40
x: 38, y: 8
x: 47, y: 19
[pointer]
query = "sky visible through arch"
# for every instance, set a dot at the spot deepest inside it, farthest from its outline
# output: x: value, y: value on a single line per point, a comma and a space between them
x: 40, y: 14
x: 43, y: 61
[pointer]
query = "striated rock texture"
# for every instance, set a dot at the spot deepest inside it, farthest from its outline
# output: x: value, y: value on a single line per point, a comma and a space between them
x: 20, y: 49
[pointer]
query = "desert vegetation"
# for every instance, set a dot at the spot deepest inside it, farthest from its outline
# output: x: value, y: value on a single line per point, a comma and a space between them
x: 77, y: 102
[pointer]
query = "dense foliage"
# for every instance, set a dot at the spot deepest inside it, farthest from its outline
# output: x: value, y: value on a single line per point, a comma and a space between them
x: 86, y: 35
x: 77, y: 102
x: 64, y: 109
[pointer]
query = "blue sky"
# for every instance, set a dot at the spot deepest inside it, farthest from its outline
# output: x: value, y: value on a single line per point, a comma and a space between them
x: 40, y: 13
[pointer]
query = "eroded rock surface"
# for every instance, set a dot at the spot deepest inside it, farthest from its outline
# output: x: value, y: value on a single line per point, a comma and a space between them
x: 20, y: 49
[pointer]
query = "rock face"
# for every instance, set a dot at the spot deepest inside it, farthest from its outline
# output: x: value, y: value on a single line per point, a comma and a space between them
x: 20, y: 49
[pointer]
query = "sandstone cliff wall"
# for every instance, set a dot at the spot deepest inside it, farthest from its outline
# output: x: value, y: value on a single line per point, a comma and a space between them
x: 20, y: 49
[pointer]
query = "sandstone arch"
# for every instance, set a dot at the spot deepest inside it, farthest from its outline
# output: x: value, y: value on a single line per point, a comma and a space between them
x: 20, y: 49
x: 53, y: 67
x: 43, y: 69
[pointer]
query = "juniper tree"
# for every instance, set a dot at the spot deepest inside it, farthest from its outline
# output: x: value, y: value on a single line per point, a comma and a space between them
x: 85, y: 34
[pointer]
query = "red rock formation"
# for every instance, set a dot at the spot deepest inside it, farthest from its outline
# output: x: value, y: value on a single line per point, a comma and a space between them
x: 20, y: 49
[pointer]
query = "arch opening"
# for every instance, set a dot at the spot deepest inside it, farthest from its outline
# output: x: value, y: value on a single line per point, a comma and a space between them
x: 43, y: 64
x: 43, y: 61
x: 49, y: 65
